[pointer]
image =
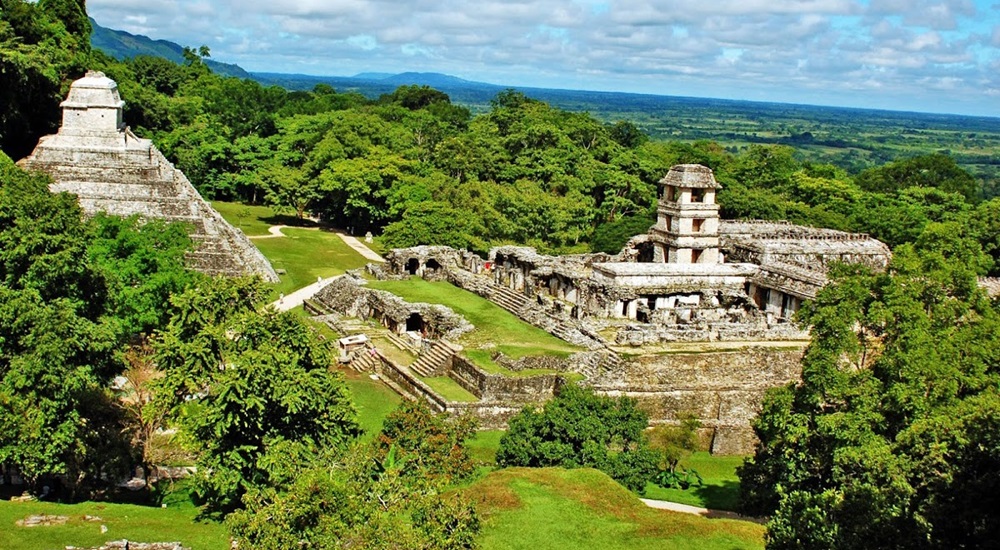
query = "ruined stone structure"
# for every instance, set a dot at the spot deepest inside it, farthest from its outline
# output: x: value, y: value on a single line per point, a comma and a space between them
x: 694, y: 317
x: 693, y: 277
x: 96, y: 157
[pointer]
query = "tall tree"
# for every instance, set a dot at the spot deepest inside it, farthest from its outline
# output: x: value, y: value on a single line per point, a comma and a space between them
x: 261, y: 383
x: 56, y: 341
x: 875, y: 446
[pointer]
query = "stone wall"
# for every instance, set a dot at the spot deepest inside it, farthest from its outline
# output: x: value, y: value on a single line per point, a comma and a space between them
x: 492, y: 413
x: 347, y: 296
x: 497, y: 387
x: 722, y: 388
x: 407, y: 384
x: 638, y: 335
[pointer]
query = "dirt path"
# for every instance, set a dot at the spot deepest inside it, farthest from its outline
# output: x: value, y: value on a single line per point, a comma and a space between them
x: 360, y: 247
x: 296, y: 298
x: 704, y: 512
x: 275, y: 231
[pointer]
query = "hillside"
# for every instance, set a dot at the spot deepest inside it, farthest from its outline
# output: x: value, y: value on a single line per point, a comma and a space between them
x: 553, y: 508
x: 123, y: 45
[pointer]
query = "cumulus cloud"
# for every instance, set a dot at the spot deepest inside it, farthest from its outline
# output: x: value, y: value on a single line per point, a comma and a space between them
x: 758, y: 49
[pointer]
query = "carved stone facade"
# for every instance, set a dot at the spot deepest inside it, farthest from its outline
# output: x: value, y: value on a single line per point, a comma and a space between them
x: 96, y: 157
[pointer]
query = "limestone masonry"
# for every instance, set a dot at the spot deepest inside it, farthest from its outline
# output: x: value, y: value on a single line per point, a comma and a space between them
x: 96, y: 157
x: 694, y: 317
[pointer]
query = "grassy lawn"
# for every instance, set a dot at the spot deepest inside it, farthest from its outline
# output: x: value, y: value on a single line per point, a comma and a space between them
x: 721, y: 488
x: 175, y: 523
x: 553, y: 508
x: 493, y: 323
x: 373, y: 399
x: 483, y: 446
x: 255, y: 220
x: 306, y: 254
x: 450, y: 389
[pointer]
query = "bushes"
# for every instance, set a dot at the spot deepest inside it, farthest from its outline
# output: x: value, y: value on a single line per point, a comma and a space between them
x: 580, y: 429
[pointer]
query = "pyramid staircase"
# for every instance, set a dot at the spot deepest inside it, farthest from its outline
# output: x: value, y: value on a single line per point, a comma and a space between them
x: 139, y: 180
x: 435, y: 360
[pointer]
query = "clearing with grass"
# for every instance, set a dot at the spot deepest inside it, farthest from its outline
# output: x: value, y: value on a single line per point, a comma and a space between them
x: 554, y: 508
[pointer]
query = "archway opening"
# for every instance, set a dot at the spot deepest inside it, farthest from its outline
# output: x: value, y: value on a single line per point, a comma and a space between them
x: 415, y: 323
x: 412, y: 265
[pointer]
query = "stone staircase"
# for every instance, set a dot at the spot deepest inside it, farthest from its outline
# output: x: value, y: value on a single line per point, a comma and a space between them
x: 404, y: 344
x: 435, y: 360
x: 136, y: 179
x: 520, y: 305
x: 594, y: 363
x: 511, y: 300
x: 363, y: 361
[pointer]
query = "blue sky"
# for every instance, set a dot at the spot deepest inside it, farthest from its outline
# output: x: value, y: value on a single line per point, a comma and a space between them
x: 923, y: 55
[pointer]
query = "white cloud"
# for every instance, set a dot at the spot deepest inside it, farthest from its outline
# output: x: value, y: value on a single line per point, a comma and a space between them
x: 724, y: 48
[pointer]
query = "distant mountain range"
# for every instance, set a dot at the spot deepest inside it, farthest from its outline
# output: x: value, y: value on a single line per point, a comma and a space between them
x: 124, y: 45
x: 121, y: 44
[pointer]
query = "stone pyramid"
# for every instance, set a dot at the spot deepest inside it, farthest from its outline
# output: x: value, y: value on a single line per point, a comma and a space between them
x: 96, y: 157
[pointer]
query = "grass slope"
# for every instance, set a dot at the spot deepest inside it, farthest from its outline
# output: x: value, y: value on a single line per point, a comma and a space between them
x: 304, y: 253
x: 553, y: 508
x: 721, y: 486
x: 175, y: 523
x: 373, y: 399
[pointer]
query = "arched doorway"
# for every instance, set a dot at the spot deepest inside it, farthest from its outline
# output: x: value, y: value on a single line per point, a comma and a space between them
x: 415, y: 323
x: 412, y: 266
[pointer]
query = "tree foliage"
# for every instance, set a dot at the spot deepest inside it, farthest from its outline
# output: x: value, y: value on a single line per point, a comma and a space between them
x: 884, y: 435
x: 67, y: 303
x: 580, y: 429
x: 389, y: 493
x: 260, y: 383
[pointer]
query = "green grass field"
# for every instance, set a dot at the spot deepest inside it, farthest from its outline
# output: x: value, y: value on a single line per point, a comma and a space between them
x: 494, y: 325
x: 483, y: 446
x: 553, y: 508
x: 373, y: 399
x: 255, y: 220
x: 721, y: 486
x: 175, y: 523
x: 305, y: 254
x: 449, y: 389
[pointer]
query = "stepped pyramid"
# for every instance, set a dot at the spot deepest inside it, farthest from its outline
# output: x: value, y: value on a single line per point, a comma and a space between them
x: 96, y: 157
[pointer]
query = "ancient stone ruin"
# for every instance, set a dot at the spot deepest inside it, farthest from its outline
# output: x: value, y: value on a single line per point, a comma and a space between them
x: 696, y: 316
x: 96, y: 157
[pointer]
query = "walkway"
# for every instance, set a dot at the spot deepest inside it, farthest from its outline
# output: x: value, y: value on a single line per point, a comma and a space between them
x: 360, y: 247
x: 275, y: 231
x: 295, y: 299
x: 704, y: 512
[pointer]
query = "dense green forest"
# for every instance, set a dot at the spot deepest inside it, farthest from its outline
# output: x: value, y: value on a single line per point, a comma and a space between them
x: 852, y: 139
x: 421, y: 170
x: 890, y: 440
